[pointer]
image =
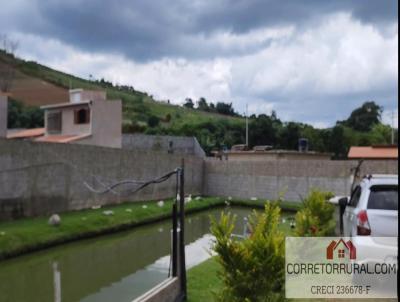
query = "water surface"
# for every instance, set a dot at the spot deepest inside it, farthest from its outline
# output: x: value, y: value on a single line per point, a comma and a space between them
x: 117, y: 267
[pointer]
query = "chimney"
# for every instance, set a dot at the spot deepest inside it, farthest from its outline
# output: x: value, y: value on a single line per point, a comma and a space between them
x: 3, y: 115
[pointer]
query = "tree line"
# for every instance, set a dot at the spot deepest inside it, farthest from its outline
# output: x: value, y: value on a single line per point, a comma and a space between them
x: 363, y: 127
x: 203, y: 105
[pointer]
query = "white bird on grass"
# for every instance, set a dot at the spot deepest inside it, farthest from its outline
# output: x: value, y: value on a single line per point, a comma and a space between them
x: 188, y: 199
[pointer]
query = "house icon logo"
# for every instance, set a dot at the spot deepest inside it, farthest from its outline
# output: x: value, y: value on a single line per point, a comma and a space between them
x: 342, y: 248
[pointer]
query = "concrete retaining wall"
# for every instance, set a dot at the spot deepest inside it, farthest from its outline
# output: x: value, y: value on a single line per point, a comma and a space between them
x: 42, y: 178
x: 293, y: 179
x: 166, y: 291
x: 161, y: 143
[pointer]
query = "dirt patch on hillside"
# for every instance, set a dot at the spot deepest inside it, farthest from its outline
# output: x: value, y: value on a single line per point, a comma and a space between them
x: 36, y: 92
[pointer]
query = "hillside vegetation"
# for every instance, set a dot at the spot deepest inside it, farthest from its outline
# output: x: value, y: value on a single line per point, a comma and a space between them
x: 36, y: 84
x: 138, y: 106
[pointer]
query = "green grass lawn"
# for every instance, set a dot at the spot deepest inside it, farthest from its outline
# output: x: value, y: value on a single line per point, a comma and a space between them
x: 26, y: 235
x: 203, y: 281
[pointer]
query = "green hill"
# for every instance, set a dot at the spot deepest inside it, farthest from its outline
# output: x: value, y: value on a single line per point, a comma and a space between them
x: 138, y: 107
x: 36, y: 84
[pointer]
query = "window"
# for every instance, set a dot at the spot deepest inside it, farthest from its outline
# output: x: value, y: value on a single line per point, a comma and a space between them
x: 355, y: 197
x: 341, y: 253
x: 383, y: 198
x: 82, y: 116
x: 54, y: 122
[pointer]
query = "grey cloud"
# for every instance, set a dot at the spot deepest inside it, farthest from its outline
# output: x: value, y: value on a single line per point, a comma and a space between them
x: 145, y: 30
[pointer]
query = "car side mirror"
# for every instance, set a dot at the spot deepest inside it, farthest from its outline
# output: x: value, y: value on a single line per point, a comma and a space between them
x: 343, y: 202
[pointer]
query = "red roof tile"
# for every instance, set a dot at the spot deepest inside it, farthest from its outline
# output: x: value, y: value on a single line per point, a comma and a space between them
x: 61, y: 138
x: 28, y: 133
x: 374, y: 152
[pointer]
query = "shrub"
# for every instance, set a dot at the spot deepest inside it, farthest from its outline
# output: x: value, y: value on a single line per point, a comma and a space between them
x: 153, y: 121
x: 22, y: 116
x: 133, y: 127
x: 316, y: 216
x: 252, y: 269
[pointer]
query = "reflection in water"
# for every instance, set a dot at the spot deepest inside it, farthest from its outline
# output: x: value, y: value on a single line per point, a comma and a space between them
x: 116, y: 267
x: 57, y: 282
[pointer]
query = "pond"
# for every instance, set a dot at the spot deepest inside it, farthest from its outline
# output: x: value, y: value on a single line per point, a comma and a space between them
x: 117, y: 267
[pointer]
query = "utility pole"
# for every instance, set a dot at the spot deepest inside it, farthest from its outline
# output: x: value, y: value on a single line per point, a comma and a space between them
x: 247, y: 127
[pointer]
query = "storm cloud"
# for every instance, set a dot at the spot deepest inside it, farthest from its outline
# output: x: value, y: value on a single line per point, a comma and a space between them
x: 328, y: 56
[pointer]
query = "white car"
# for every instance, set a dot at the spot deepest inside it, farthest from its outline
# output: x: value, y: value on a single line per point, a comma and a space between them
x: 370, y: 221
x: 372, y: 208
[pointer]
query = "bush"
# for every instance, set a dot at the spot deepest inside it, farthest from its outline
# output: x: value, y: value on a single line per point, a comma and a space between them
x: 253, y: 269
x: 153, y: 121
x: 316, y: 216
x: 22, y: 116
x: 133, y: 127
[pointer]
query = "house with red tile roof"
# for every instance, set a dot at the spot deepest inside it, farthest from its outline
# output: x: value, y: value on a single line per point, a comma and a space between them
x: 374, y: 152
x: 88, y: 118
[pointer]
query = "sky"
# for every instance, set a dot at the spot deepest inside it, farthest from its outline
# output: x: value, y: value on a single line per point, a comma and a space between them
x: 309, y: 60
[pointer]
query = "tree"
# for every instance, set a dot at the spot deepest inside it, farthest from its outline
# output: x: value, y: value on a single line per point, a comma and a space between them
x: 365, y: 117
x: 7, y: 71
x: 262, y: 131
x: 202, y: 104
x: 289, y: 136
x: 225, y: 108
x: 212, y: 107
x: 188, y: 103
x: 337, y: 142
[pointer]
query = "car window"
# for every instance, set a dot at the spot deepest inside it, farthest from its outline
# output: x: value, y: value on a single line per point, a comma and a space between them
x: 383, y: 198
x: 355, y: 197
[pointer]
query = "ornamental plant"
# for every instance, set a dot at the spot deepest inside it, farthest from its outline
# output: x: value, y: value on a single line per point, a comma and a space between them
x: 315, y: 218
x: 252, y: 268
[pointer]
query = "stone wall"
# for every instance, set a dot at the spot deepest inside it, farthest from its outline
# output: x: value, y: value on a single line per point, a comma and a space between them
x: 42, y: 178
x: 292, y: 179
x: 161, y: 143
